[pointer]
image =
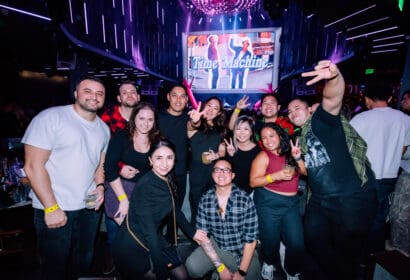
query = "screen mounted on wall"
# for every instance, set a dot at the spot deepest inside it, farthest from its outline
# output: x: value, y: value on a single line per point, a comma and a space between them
x: 240, y: 61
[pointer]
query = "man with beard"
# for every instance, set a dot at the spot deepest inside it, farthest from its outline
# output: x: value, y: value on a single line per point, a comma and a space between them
x: 64, y: 154
x: 118, y: 116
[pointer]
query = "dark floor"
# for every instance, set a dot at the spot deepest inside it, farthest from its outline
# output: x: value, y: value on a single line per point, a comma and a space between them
x: 19, y: 260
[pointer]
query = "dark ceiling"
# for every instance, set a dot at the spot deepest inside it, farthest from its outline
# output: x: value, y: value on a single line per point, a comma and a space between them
x: 37, y: 44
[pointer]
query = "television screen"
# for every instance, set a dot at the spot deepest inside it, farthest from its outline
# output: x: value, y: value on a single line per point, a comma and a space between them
x: 236, y: 61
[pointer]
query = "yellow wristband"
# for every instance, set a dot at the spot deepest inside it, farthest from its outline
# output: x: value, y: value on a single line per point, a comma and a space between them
x: 51, y: 209
x: 122, y: 197
x: 220, y: 268
x: 237, y: 110
x: 269, y: 178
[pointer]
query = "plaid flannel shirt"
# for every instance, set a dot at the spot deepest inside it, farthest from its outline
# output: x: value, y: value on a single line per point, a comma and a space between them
x: 240, y: 225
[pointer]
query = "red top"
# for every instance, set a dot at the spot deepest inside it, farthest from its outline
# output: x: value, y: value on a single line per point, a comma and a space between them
x: 277, y: 163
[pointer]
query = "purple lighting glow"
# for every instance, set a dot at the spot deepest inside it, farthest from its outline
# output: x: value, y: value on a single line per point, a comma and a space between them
x: 217, y: 7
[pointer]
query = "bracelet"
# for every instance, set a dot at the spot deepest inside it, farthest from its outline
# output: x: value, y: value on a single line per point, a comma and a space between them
x: 51, y: 209
x: 122, y: 197
x: 220, y: 268
x: 100, y: 184
x: 269, y: 178
x: 237, y: 110
x: 241, y: 272
x: 298, y: 158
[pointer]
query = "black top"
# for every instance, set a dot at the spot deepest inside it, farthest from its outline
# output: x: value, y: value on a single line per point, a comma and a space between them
x: 338, y: 177
x: 242, y: 161
x: 174, y: 128
x: 150, y: 205
x: 121, y: 149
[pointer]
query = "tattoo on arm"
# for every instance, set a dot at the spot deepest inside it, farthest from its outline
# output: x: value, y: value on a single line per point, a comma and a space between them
x: 211, y: 253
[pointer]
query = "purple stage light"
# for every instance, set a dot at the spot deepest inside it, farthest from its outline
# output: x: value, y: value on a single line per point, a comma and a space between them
x: 217, y: 7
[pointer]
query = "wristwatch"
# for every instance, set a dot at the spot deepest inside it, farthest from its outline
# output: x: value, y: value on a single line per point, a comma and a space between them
x: 241, y: 272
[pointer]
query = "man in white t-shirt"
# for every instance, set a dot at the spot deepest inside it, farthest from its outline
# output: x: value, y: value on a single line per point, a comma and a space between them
x: 387, y: 133
x: 64, y: 153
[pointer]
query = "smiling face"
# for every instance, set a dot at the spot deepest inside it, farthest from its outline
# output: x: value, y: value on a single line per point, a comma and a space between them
x: 212, y: 109
x: 178, y: 99
x: 162, y: 160
x: 144, y: 121
x: 243, y: 132
x: 270, y: 139
x: 128, y: 95
x: 89, y: 96
x: 298, y: 112
x: 270, y: 107
x: 222, y: 173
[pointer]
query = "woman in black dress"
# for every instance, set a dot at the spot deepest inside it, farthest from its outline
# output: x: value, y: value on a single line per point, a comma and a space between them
x: 139, y: 242
x: 206, y: 131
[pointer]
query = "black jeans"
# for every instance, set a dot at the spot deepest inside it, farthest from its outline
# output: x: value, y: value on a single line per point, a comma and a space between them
x: 336, y: 228
x: 76, y: 238
x: 279, y: 218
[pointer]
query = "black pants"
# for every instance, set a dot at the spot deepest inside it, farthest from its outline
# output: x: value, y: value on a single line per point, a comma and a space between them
x: 336, y: 229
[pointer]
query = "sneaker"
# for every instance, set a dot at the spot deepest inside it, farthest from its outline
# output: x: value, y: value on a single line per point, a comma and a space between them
x: 267, y: 271
x: 295, y: 277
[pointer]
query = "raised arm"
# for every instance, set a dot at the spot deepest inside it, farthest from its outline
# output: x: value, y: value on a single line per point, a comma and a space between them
x: 335, y: 85
x: 35, y: 168
x: 240, y: 105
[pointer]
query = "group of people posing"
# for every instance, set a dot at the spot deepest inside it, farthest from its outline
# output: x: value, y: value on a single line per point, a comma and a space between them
x: 245, y: 185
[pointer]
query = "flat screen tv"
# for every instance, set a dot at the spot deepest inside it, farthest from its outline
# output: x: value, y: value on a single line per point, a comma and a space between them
x: 232, y: 61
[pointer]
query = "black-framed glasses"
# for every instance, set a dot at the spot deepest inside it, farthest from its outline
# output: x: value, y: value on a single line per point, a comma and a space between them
x: 223, y: 170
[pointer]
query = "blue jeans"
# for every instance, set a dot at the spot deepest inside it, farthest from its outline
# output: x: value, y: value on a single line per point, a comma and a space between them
x: 384, y: 187
x: 112, y: 229
x: 279, y: 218
x: 336, y: 228
x: 76, y: 238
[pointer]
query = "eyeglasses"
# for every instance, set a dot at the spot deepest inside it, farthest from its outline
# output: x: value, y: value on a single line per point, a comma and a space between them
x: 223, y: 170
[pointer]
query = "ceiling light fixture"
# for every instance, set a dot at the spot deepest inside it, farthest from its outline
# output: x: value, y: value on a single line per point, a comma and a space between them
x: 388, y: 38
x: 384, y: 51
x: 387, y: 45
x: 367, y: 23
x: 349, y: 16
x: 371, y: 33
x: 217, y: 7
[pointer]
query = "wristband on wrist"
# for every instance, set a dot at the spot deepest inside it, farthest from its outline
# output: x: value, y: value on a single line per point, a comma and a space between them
x: 241, y: 272
x: 298, y: 158
x: 237, y: 110
x: 51, y: 209
x: 122, y: 197
x: 269, y: 178
x: 100, y: 184
x: 220, y: 268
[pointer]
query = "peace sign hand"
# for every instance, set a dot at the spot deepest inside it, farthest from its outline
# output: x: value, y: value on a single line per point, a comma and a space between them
x: 196, y: 114
x: 230, y: 148
x: 243, y: 102
x: 295, y: 149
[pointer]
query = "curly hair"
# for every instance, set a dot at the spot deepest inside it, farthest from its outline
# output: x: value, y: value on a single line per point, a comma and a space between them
x: 154, y: 133
x: 284, y: 142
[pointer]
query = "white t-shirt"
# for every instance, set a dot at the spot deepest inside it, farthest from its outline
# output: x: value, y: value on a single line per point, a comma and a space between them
x: 76, y: 145
x: 386, y: 131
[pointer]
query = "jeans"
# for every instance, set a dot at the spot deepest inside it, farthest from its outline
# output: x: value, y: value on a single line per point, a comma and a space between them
x: 198, y: 263
x: 384, y: 187
x: 336, y: 228
x: 77, y: 238
x: 279, y: 218
x: 112, y: 229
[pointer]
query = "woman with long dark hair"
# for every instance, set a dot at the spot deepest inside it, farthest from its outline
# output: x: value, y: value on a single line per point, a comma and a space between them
x: 139, y: 242
x: 206, y: 131
x: 274, y: 175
